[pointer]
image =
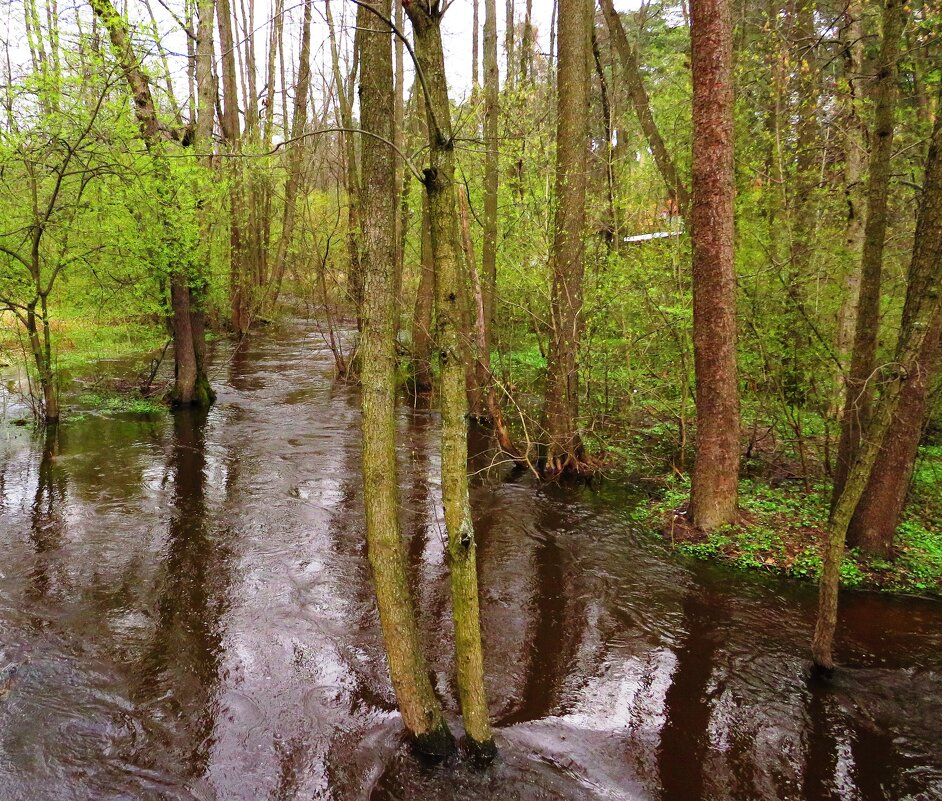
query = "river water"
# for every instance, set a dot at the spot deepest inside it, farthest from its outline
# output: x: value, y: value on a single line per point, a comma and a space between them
x: 186, y: 613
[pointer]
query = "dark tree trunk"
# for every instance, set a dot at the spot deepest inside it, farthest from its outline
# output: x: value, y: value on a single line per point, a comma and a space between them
x: 713, y: 501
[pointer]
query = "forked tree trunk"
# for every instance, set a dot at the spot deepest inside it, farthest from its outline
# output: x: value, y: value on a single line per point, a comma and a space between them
x: 440, y: 186
x: 565, y: 452
x: 878, y: 512
x: 420, y: 709
x: 898, y: 405
x: 713, y: 499
x: 859, y: 392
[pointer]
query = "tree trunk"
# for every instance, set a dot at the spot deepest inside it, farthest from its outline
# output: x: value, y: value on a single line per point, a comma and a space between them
x: 855, y: 166
x: 561, y: 409
x: 491, y: 170
x: 420, y: 709
x: 509, y: 36
x: 295, y: 153
x: 238, y: 280
x: 713, y: 500
x: 424, y: 301
x: 859, y: 391
x: 440, y: 186
x: 892, y: 417
x: 878, y: 512
x: 351, y: 170
x: 184, y: 390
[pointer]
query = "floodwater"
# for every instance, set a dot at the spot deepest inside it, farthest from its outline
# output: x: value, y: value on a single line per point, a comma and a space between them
x: 186, y: 613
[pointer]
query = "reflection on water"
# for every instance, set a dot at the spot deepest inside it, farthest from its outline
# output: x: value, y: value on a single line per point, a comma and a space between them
x: 186, y: 613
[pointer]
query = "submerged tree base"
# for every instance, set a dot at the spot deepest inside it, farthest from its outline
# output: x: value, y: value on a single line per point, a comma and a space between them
x: 435, y: 745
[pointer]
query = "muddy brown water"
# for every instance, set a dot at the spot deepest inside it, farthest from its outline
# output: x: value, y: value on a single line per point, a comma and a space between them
x: 186, y: 613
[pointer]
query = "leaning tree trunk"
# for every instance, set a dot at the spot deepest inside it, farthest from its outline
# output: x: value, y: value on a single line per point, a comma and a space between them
x: 421, y: 711
x: 892, y: 417
x: 859, y: 392
x: 565, y: 452
x: 443, y: 216
x: 713, y: 499
x: 676, y: 188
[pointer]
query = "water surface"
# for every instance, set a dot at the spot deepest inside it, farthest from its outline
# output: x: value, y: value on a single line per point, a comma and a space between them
x: 186, y: 613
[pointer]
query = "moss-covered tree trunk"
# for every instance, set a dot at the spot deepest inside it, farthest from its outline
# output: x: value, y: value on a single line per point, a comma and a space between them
x: 421, y: 711
x: 443, y: 217
x: 919, y: 339
x: 564, y: 450
x: 713, y: 500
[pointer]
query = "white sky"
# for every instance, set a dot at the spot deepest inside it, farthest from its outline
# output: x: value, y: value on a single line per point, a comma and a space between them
x: 456, y: 28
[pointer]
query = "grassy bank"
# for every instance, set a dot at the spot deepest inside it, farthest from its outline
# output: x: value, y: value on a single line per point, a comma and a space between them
x: 100, y: 363
x: 782, y: 528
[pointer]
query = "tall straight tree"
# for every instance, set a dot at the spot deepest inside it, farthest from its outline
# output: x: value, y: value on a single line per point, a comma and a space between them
x: 229, y: 122
x: 893, y: 427
x: 859, y: 393
x: 565, y: 452
x: 449, y: 277
x: 713, y: 500
x: 418, y: 704
x: 295, y: 151
x: 491, y: 171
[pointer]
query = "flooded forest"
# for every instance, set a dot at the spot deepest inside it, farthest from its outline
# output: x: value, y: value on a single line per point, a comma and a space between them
x: 452, y: 400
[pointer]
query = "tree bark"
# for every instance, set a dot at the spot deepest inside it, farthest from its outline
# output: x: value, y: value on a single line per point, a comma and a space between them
x: 893, y: 413
x: 440, y: 186
x: 855, y: 166
x: 424, y: 302
x: 878, y: 512
x: 859, y: 392
x: 491, y: 170
x: 295, y: 153
x: 238, y: 288
x: 565, y: 452
x: 713, y: 500
x: 420, y: 709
